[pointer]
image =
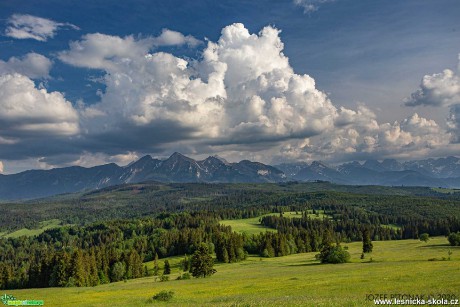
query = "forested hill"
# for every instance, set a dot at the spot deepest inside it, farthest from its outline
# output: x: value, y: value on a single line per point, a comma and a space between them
x: 231, y: 200
x: 108, y: 234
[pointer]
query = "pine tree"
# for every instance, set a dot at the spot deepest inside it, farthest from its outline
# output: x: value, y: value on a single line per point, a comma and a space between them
x: 77, y: 269
x: 60, y: 275
x: 167, y: 268
x: 367, y: 243
x: 202, y: 262
x: 225, y: 257
x: 185, y: 264
x: 156, y: 268
x: 93, y: 277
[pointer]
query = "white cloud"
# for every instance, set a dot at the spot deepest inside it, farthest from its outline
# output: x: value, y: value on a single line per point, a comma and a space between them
x: 32, y: 27
x: 32, y: 65
x: 243, y: 90
x: 310, y: 5
x: 242, y: 98
x: 416, y: 132
x: 1, y: 167
x: 441, y: 89
x: 26, y: 110
x: 89, y: 159
x: 413, y: 137
x: 105, y: 51
x: 174, y: 38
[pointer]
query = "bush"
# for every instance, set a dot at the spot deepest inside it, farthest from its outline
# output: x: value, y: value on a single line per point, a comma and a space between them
x: 334, y: 253
x: 184, y: 276
x: 424, y: 237
x: 164, y: 278
x: 163, y: 296
x: 454, y: 239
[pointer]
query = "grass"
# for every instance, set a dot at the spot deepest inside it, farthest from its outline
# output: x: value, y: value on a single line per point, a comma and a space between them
x: 318, y: 215
x: 392, y: 226
x: 249, y: 226
x: 398, y: 267
x: 44, y: 225
x: 253, y: 226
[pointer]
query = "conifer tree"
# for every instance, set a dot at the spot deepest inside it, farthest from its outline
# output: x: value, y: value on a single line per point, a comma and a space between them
x: 156, y: 268
x: 202, y: 262
x: 167, y: 268
x: 77, y: 269
x: 367, y: 243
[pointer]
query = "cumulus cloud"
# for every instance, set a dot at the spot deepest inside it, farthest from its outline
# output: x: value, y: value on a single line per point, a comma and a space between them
x: 442, y: 89
x: 415, y: 131
x: 310, y: 5
x: 412, y: 137
x: 28, y: 111
x: 240, y: 99
x: 1, y: 167
x: 174, y: 38
x: 241, y: 96
x: 243, y: 90
x: 31, y: 27
x: 32, y: 65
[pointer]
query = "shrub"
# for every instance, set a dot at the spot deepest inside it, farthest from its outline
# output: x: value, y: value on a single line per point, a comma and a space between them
x: 163, y: 296
x: 184, y: 276
x: 334, y: 253
x: 424, y: 237
x: 164, y: 278
x: 454, y: 239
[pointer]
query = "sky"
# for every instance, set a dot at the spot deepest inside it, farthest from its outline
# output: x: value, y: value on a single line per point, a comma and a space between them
x: 93, y: 82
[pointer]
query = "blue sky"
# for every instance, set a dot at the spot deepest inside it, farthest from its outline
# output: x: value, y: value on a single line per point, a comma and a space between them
x: 109, y: 81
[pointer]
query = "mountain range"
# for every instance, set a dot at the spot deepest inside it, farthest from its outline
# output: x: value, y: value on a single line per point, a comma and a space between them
x: 443, y: 172
x: 177, y: 168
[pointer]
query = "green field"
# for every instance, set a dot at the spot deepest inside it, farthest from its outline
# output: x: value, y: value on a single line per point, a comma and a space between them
x: 397, y: 267
x: 253, y: 226
x: 33, y: 232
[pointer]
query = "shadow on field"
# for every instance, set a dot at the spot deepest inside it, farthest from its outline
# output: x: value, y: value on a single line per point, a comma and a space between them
x: 439, y: 246
x: 305, y: 264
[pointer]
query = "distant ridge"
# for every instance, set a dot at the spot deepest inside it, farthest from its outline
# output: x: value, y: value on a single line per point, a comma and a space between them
x: 442, y: 172
x: 177, y: 168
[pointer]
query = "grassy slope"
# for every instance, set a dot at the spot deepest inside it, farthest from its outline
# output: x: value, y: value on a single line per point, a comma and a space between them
x: 249, y: 226
x: 33, y: 232
x: 253, y: 226
x: 296, y: 280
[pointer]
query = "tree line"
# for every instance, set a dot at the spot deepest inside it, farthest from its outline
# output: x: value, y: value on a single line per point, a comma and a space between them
x: 114, y: 250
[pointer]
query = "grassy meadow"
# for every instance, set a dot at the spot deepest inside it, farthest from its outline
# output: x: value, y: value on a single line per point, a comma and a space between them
x: 44, y: 225
x: 397, y: 267
x: 253, y: 226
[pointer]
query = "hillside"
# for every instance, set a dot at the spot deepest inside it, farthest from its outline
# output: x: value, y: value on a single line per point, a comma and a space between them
x: 297, y: 280
x: 152, y: 198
